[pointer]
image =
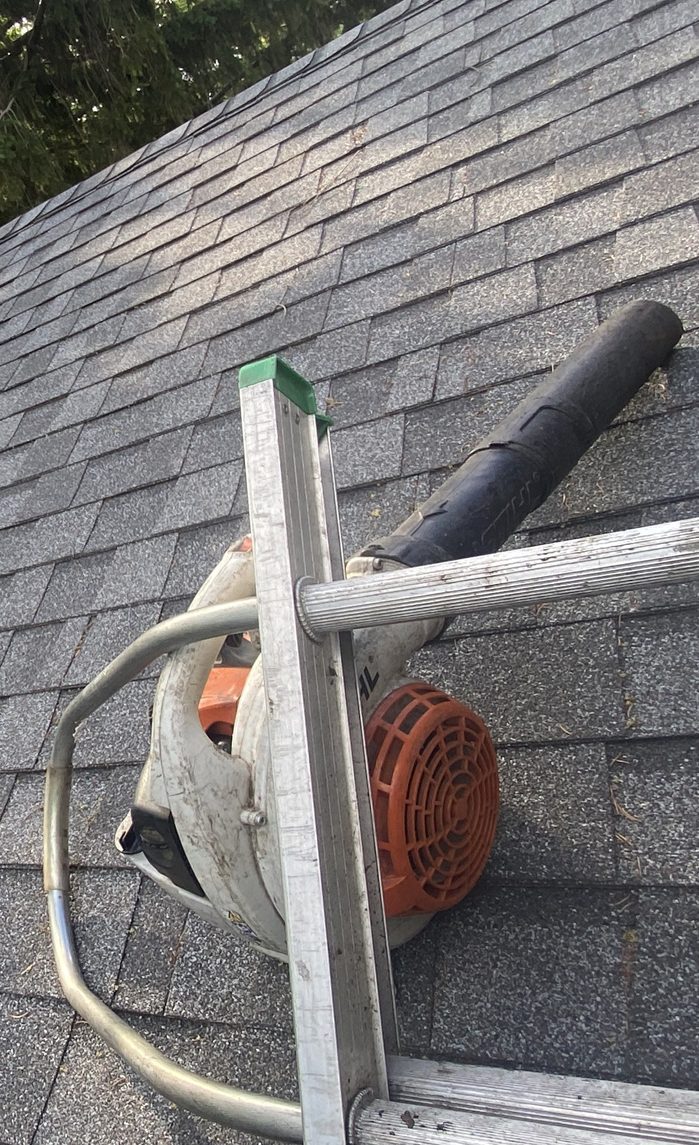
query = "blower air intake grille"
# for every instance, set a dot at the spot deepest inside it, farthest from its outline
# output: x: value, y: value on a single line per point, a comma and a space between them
x: 434, y: 785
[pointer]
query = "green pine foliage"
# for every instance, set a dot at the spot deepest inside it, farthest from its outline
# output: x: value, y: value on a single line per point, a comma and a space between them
x: 84, y: 82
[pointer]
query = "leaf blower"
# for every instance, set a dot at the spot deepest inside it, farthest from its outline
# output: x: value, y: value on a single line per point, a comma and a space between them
x: 203, y: 819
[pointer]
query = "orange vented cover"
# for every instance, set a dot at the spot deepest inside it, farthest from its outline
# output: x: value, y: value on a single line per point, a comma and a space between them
x: 218, y: 706
x: 434, y: 784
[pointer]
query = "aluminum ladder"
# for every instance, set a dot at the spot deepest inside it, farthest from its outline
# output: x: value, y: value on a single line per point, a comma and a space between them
x: 338, y: 952
x: 354, y: 1087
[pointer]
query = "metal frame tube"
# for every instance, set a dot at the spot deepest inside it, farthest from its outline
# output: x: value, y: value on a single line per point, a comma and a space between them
x: 617, y: 562
x: 225, y: 1104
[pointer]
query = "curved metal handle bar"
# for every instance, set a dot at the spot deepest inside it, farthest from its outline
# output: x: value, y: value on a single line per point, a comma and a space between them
x: 223, y: 1103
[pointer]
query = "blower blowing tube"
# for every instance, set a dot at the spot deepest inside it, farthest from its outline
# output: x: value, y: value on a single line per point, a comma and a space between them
x: 513, y: 470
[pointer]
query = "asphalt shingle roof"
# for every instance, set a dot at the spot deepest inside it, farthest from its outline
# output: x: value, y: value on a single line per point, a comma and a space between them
x: 423, y: 217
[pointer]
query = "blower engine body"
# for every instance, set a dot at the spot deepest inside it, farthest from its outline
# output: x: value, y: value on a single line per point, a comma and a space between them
x: 203, y: 821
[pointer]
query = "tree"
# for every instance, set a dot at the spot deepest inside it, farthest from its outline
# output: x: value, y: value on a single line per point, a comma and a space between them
x: 84, y: 82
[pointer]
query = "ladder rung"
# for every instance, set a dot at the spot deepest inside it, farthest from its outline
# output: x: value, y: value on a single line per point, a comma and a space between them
x: 615, y: 1110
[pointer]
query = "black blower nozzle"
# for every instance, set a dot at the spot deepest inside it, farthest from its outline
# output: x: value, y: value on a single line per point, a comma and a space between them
x: 514, y: 469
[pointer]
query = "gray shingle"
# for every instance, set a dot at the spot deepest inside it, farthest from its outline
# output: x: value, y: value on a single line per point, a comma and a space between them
x: 237, y: 249
x: 592, y: 21
x: 64, y: 411
x: 582, y: 270
x: 103, y: 905
x: 479, y: 254
x: 38, y: 658
x: 107, y: 634
x: 232, y: 983
x: 662, y: 185
x: 120, y: 1105
x: 199, y: 239
x: 48, y: 386
x: 404, y: 202
x: 530, y: 687
x: 330, y: 353
x: 570, y: 101
x: 188, y: 500
x: 102, y: 298
x: 544, y: 982
x: 528, y: 25
x: 8, y: 427
x: 21, y: 594
x: 151, y: 951
x: 31, y: 366
x: 156, y: 415
x: 99, y: 801
x: 660, y: 21
x: 118, y: 359
x: 519, y: 58
x: 215, y: 442
x: 165, y: 373
x: 516, y: 197
x: 37, y: 457
x: 471, y: 306
x: 33, y: 1036
x: 444, y: 152
x: 442, y: 434
x: 670, y: 135
x: 663, y: 1017
x: 100, y: 336
x: 555, y: 817
x: 6, y: 784
x: 497, y: 15
x: 126, y: 575
x: 599, y: 163
x: 676, y: 288
x: 657, y: 59
x: 197, y: 551
x: 651, y: 460
x: 311, y: 278
x: 389, y: 387
x: 413, y: 80
x: 45, y: 540
x: 657, y: 243
x: 565, y: 224
x: 369, y: 513
x: 227, y: 395
x: 44, y: 495
x: 390, y: 288
x: 414, y: 966
x: 370, y: 452
x: 661, y: 660
x: 230, y: 313
x: 655, y: 786
x: 24, y: 722
x: 256, y: 339
x: 322, y: 205
x: 432, y: 229
x: 154, y: 460
x: 477, y: 104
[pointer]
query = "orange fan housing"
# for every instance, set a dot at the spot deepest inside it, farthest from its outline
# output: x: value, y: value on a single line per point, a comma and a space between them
x: 434, y: 786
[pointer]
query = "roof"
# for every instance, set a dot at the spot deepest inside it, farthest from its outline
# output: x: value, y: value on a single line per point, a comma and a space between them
x: 423, y: 217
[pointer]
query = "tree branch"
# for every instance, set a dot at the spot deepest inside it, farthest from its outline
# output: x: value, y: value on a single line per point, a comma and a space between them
x: 31, y: 38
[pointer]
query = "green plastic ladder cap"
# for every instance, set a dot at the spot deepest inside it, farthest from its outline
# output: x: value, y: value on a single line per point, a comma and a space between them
x: 290, y: 383
x: 286, y: 380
